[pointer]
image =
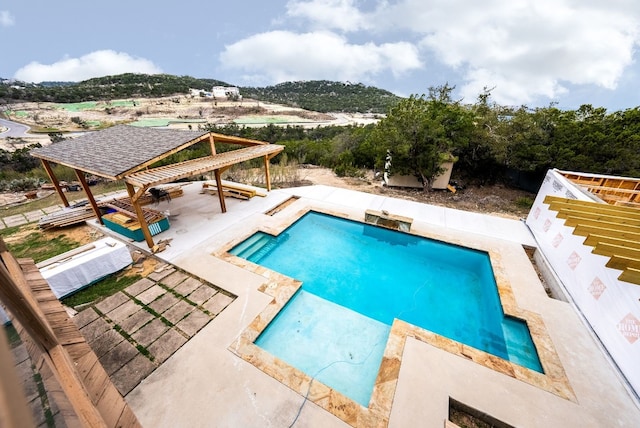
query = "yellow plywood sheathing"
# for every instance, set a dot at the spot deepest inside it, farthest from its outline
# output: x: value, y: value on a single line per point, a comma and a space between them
x: 613, y: 231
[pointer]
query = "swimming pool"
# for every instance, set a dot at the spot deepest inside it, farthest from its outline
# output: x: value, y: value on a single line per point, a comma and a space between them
x: 370, y: 276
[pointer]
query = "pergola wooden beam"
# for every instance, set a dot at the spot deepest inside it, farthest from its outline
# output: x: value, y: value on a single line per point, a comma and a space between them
x: 87, y: 191
x: 47, y: 167
x: 612, y: 231
x: 217, y: 163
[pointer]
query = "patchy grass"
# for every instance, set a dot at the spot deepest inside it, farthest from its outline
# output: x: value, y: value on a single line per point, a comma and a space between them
x: 524, y: 202
x: 103, y: 288
x: 28, y: 242
x: 12, y: 335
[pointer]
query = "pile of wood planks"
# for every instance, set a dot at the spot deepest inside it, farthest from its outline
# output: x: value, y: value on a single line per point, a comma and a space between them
x: 66, y: 217
x: 234, y: 190
x: 126, y: 212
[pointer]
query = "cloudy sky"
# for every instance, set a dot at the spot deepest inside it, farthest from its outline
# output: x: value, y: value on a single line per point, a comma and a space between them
x: 532, y: 52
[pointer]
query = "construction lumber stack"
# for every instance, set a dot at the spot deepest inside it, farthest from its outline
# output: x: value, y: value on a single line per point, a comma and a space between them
x: 234, y: 190
x: 66, y: 217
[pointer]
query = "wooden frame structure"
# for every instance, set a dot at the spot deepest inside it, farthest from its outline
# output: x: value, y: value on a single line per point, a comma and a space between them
x: 613, y: 231
x: 126, y: 152
x: 83, y: 390
x: 621, y: 191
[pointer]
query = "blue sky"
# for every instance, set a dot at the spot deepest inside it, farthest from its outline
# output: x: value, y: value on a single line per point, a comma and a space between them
x: 532, y: 52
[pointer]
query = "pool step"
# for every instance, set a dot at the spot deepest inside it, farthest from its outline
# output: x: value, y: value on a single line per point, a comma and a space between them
x: 252, y: 244
x: 258, y: 246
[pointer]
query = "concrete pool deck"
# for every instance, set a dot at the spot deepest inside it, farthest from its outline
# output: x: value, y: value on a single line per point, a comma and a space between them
x: 206, y: 384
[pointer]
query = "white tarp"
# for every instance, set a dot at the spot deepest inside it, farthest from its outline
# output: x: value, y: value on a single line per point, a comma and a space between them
x: 609, y: 305
x: 79, y: 268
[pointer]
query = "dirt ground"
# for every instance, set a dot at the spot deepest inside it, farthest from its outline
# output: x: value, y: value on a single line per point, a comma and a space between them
x: 496, y: 200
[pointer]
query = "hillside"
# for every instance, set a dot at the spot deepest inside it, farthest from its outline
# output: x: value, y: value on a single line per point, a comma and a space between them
x: 321, y: 96
x: 326, y: 96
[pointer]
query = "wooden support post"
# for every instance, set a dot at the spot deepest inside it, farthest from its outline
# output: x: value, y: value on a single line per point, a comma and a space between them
x: 223, y: 206
x: 266, y: 173
x: 143, y: 223
x: 16, y: 295
x: 213, y: 144
x: 54, y: 180
x: 87, y: 192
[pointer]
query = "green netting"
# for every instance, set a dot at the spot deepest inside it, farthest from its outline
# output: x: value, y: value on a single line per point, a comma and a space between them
x: 77, y: 106
x: 163, y: 121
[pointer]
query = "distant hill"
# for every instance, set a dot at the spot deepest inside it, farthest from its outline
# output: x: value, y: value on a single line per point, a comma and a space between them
x: 326, y: 96
x: 318, y: 95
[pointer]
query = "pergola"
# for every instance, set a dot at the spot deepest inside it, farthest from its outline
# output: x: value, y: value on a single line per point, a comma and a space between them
x: 125, y: 152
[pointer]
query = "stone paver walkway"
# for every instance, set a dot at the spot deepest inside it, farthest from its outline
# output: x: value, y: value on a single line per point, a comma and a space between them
x: 135, y: 330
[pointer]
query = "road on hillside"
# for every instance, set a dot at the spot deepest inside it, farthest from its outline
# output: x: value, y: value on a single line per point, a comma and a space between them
x: 15, y: 130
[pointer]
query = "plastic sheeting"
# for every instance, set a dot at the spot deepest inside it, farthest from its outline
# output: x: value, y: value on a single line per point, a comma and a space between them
x: 100, y: 259
x: 609, y: 305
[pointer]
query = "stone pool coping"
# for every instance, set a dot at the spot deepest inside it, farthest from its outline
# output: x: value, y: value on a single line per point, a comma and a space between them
x: 281, y: 288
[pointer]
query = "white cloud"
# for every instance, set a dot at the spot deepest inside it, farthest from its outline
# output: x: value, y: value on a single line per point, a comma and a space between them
x: 280, y: 56
x: 95, y: 64
x: 6, y: 19
x: 526, y: 49
x: 340, y: 15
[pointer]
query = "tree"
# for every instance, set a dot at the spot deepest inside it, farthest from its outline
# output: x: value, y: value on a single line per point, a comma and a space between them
x: 421, y: 132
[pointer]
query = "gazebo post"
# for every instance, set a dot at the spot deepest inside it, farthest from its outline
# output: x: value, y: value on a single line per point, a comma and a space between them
x: 266, y: 173
x: 143, y: 222
x: 54, y: 180
x: 87, y: 192
x: 212, y: 142
x: 223, y: 206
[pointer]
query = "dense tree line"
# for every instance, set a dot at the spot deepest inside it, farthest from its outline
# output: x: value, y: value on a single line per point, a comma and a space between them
x: 491, y: 143
x: 123, y: 86
x: 326, y: 96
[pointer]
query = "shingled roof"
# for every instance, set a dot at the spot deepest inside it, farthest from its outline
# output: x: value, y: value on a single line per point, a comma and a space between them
x: 116, y: 151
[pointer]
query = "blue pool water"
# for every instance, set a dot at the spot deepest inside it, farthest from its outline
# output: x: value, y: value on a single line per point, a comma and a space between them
x: 357, y: 278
